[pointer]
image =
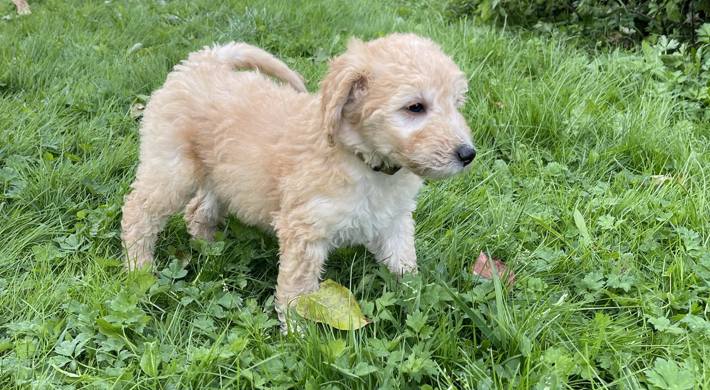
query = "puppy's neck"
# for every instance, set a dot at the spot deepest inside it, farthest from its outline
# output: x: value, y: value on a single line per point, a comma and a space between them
x: 352, y: 142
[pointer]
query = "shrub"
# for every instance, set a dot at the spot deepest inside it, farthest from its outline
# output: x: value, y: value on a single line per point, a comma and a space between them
x: 674, y: 35
x: 683, y: 70
x: 606, y: 22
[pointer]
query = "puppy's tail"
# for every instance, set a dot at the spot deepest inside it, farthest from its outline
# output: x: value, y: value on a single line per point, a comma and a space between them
x: 242, y: 55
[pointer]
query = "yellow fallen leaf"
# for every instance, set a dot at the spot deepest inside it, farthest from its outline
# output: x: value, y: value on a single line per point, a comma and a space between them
x: 331, y: 304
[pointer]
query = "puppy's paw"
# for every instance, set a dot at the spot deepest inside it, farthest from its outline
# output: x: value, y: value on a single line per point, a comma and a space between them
x: 289, y: 322
x: 22, y: 7
x: 138, y: 263
x: 400, y: 269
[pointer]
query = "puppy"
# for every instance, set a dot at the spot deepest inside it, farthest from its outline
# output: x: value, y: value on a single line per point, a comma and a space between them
x: 340, y: 167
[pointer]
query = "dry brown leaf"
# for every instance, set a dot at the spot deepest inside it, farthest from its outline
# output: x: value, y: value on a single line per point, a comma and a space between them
x: 482, y: 267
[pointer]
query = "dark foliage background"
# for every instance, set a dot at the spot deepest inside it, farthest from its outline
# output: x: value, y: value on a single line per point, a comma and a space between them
x: 614, y: 22
x: 673, y: 35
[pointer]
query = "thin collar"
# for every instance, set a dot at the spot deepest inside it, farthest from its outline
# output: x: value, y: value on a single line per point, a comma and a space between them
x: 382, y: 168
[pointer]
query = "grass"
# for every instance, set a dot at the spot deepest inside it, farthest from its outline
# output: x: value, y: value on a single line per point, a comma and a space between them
x: 591, y: 182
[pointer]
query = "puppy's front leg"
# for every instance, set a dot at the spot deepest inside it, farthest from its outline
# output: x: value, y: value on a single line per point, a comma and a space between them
x: 394, y: 246
x: 300, y: 265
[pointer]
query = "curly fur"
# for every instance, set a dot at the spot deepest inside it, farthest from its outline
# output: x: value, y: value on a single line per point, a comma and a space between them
x: 216, y: 140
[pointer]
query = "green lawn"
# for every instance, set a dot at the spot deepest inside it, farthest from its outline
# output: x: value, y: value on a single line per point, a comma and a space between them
x: 592, y: 182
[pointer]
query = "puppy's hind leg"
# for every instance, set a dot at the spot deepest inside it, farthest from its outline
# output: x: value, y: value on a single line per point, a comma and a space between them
x: 159, y: 191
x: 202, y: 214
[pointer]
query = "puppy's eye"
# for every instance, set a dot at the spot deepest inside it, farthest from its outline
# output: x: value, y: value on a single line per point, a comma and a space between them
x: 416, y: 108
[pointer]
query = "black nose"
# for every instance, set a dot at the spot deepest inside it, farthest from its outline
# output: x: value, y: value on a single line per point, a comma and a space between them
x: 466, y: 154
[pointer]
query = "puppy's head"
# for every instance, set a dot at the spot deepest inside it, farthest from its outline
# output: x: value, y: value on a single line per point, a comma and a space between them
x: 395, y: 102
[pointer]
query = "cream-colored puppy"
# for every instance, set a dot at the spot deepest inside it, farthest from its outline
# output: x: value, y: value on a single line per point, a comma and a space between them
x: 336, y: 168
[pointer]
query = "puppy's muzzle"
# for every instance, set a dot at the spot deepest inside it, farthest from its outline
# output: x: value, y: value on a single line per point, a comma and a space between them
x: 465, y: 154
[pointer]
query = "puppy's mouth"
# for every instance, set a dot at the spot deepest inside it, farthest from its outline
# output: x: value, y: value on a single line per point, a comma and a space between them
x: 442, y: 165
x: 436, y: 171
x: 389, y: 166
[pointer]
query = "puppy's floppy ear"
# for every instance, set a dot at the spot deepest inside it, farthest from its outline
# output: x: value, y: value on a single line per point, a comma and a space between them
x: 346, y: 81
